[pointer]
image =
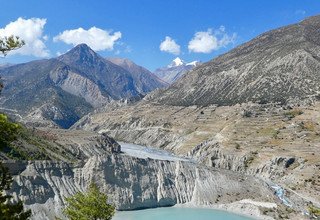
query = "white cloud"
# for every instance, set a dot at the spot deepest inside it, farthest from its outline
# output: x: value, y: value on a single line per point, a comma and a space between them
x: 94, y: 37
x: 208, y: 41
x: 170, y: 46
x: 31, y: 31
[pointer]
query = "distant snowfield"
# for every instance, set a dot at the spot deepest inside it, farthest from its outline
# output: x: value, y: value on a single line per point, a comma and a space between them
x: 140, y: 151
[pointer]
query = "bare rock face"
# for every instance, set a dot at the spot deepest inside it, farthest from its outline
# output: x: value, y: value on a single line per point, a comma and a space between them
x: 277, y: 66
x: 131, y: 183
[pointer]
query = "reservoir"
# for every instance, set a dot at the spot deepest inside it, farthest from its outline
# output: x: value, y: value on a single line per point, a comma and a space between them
x: 178, y: 213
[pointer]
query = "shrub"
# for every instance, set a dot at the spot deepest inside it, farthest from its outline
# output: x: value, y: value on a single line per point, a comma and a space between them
x: 91, y: 205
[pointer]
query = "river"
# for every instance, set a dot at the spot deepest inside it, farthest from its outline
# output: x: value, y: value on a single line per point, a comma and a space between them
x: 140, y: 151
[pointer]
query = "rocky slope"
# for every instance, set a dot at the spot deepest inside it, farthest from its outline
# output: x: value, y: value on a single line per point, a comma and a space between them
x: 140, y: 73
x: 175, y: 70
x: 278, y: 66
x: 62, y: 89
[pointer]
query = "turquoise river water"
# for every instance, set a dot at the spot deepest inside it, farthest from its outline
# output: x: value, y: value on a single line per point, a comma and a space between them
x: 177, y: 213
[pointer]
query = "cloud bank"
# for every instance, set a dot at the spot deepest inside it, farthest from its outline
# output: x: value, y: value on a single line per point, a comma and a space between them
x: 208, y: 41
x: 31, y: 31
x: 94, y: 37
x: 170, y: 46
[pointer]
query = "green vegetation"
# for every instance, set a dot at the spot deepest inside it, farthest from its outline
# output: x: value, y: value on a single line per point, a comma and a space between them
x: 10, y: 43
x: 9, y: 131
x: 314, y: 211
x: 91, y: 205
x: 17, y: 142
x: 293, y: 113
x: 9, y: 211
x: 7, y: 44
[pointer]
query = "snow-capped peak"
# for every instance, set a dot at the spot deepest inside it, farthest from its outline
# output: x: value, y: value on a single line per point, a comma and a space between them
x: 176, y: 62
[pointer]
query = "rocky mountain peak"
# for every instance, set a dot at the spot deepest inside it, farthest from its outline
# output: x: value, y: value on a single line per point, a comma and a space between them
x: 81, y: 53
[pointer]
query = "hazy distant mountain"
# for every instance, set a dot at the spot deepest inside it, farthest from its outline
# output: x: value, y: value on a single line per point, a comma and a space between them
x: 4, y: 65
x: 277, y: 66
x: 175, y: 70
x: 65, y: 88
x: 148, y: 81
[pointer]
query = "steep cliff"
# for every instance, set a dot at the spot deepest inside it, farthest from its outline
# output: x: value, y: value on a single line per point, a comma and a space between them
x: 131, y: 183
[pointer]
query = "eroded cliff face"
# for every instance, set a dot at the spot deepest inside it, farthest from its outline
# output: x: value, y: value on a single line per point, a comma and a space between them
x: 131, y: 183
x: 271, y: 141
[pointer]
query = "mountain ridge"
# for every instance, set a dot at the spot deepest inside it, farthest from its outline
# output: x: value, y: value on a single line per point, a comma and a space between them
x: 277, y: 66
x: 80, y: 78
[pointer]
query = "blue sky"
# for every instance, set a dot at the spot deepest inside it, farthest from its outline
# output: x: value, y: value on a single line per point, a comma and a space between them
x: 135, y: 29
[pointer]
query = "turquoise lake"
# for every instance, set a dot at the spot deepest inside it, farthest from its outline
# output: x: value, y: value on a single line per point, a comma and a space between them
x: 177, y: 213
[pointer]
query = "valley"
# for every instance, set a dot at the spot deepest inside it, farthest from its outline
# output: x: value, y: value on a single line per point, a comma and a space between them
x: 239, y: 133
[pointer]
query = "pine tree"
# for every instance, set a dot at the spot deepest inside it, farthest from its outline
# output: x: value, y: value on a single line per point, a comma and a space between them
x: 91, y: 205
x: 7, y: 44
x: 8, y: 133
x: 10, y: 43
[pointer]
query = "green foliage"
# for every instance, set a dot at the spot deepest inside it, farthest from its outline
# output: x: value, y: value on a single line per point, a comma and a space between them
x: 8, y: 210
x: 91, y: 205
x: 293, y: 113
x: 8, y: 130
x: 10, y: 43
x: 314, y: 211
x: 7, y: 44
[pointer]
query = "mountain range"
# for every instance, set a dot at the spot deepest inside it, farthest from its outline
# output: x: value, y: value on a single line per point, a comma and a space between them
x: 253, y: 110
x: 175, y: 70
x: 281, y: 65
x: 62, y: 89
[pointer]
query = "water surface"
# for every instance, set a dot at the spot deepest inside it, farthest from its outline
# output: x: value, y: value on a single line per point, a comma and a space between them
x: 177, y: 213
